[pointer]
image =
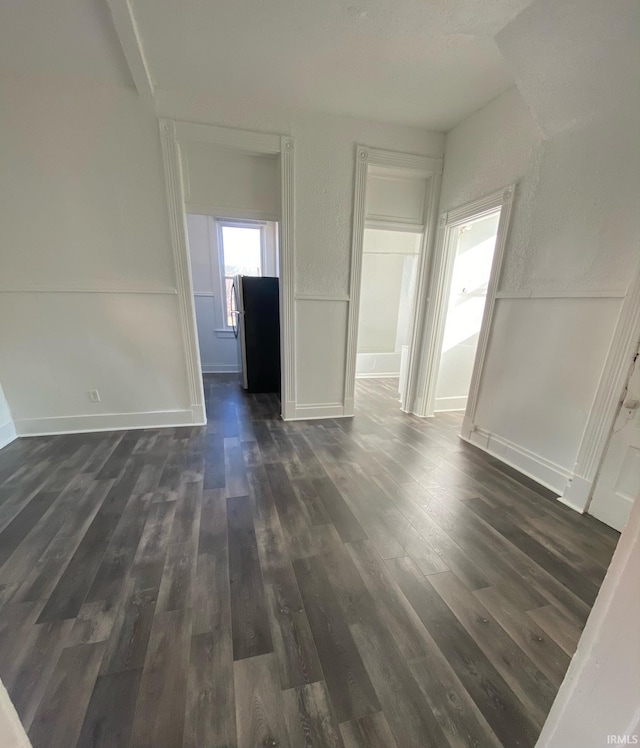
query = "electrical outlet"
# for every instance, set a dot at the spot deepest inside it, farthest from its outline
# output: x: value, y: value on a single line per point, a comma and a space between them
x: 94, y: 396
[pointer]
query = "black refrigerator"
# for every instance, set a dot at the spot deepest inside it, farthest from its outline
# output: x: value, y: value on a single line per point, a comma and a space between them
x: 256, y: 313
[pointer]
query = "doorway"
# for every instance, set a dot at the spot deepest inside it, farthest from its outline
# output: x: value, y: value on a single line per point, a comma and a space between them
x: 218, y: 171
x: 395, y: 202
x: 387, y: 298
x: 463, y: 290
x: 618, y: 482
x: 220, y: 248
x: 472, y: 257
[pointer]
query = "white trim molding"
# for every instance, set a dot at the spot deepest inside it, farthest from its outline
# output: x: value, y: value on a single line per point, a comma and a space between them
x: 421, y: 299
x: 154, y: 419
x: 548, y: 293
x: 287, y: 277
x: 182, y: 262
x: 615, y: 373
x: 127, y: 31
x: 417, y: 166
x: 229, y: 213
x: 220, y: 368
x: 529, y: 463
x: 455, y: 402
x: 173, y: 134
x: 7, y: 433
x: 444, y: 258
x: 42, y: 289
x: 247, y: 141
x: 314, y: 411
x: 319, y: 297
x: 380, y: 375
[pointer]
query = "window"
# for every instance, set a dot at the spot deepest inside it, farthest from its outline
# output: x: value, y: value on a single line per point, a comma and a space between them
x: 241, y: 254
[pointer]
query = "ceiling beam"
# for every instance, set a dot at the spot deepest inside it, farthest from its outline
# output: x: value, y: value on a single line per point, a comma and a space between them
x: 131, y: 43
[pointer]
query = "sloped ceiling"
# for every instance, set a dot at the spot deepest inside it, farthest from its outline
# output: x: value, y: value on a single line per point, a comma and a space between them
x: 423, y: 63
x: 575, y: 60
x: 415, y: 62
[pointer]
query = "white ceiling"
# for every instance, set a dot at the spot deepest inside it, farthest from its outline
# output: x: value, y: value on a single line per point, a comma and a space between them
x: 411, y: 61
x: 73, y: 38
x: 421, y: 62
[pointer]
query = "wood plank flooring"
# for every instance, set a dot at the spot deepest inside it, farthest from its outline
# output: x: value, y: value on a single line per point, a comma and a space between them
x: 371, y: 582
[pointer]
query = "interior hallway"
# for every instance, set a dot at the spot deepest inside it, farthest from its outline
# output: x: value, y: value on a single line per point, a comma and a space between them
x: 361, y: 582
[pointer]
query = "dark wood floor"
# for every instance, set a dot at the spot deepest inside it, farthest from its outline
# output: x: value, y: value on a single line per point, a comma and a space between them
x: 368, y: 582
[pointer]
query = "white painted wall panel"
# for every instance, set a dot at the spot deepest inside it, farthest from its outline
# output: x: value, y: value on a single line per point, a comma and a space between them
x: 218, y: 349
x: 82, y: 206
x: 391, y: 242
x: 574, y: 229
x: 379, y: 302
x: 201, y: 253
x: 542, y: 367
x: 395, y: 199
x: 389, y: 266
x: 82, y: 199
x: 321, y: 326
x: 227, y: 179
x: 60, y: 346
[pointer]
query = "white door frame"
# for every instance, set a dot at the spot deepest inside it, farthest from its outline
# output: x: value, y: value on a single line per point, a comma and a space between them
x: 444, y: 258
x: 606, y: 404
x: 173, y: 135
x: 417, y: 166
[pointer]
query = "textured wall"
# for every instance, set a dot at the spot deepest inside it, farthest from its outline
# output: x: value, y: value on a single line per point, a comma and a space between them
x: 86, y: 267
x: 324, y: 176
x: 494, y: 147
x: 324, y: 183
x: 568, y: 134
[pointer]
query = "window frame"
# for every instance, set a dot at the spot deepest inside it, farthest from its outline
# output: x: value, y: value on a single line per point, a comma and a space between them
x: 222, y: 223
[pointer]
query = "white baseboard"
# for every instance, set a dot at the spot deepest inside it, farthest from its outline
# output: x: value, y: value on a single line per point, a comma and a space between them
x: 288, y: 410
x: 528, y: 463
x: 379, y: 375
x: 577, y: 493
x: 318, y: 410
x: 7, y: 433
x: 198, y: 415
x: 349, y: 407
x: 378, y: 364
x: 220, y: 369
x: 110, y: 422
x: 614, y: 512
x: 444, y: 404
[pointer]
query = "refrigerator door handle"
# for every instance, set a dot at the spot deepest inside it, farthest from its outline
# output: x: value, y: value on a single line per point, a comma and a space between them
x: 235, y: 313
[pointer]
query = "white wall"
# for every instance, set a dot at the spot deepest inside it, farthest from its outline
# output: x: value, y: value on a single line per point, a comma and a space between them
x: 394, y: 197
x: 7, y: 427
x: 87, y: 286
x: 389, y: 264
x: 12, y: 734
x: 218, y: 347
x: 230, y: 184
x: 600, y: 695
x: 573, y: 237
x: 324, y: 179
